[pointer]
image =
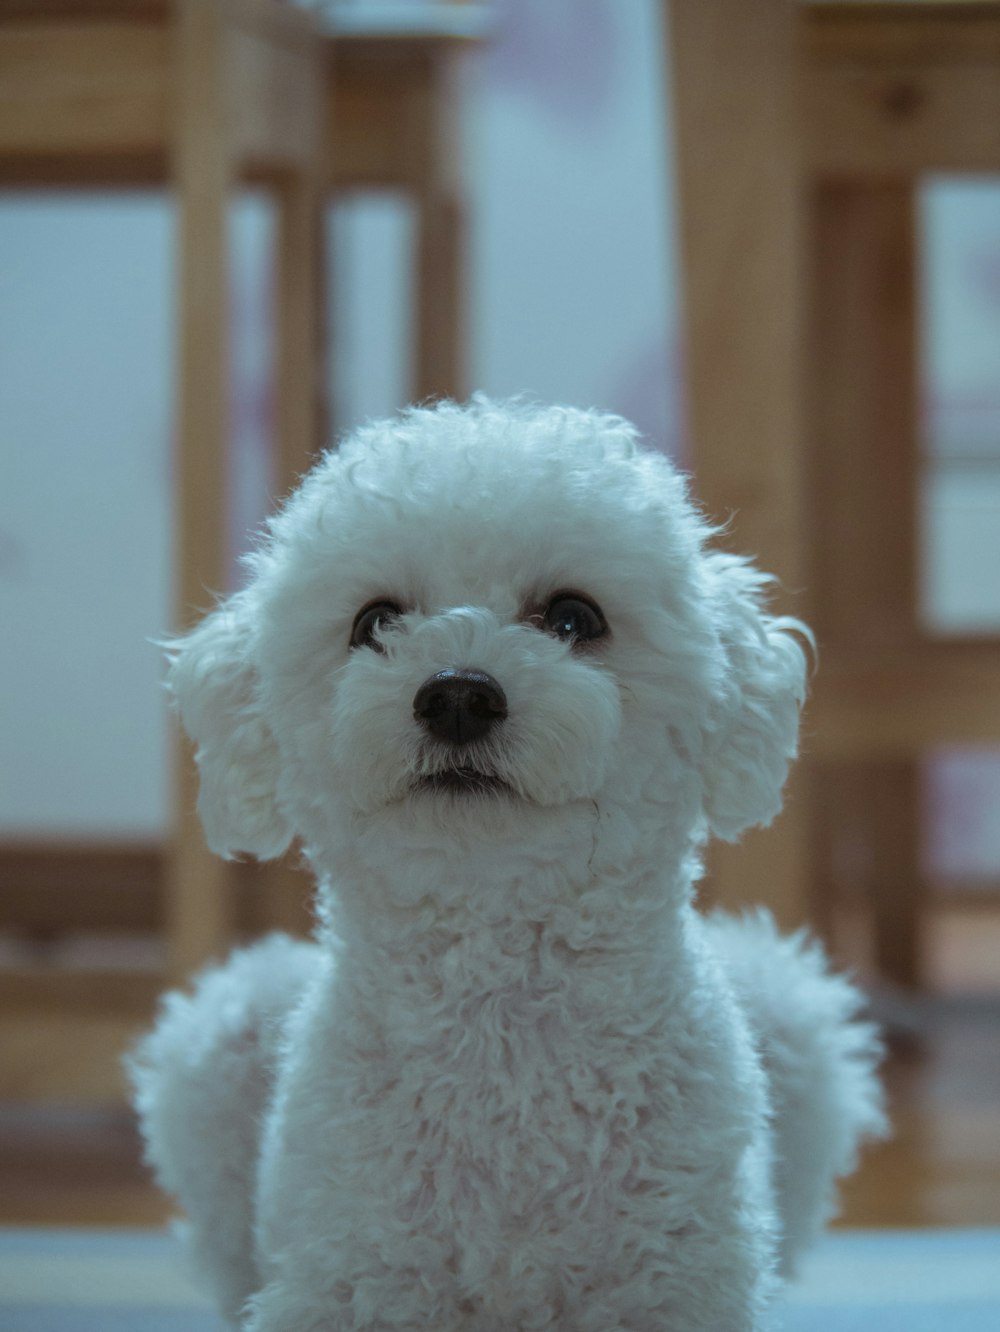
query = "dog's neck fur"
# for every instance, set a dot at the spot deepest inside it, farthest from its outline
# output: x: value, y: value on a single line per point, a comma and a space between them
x: 498, y: 910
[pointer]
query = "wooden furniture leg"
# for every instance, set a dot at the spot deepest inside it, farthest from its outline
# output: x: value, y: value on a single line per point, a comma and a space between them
x: 897, y: 889
x: 395, y: 125
x: 439, y: 338
x: 863, y: 405
x: 864, y: 396
x: 301, y: 416
x: 733, y: 70
x: 302, y: 411
x: 197, y: 881
x: 249, y: 103
x: 440, y: 335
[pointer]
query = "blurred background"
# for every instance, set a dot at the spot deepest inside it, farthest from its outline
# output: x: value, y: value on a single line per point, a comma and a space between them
x: 533, y: 240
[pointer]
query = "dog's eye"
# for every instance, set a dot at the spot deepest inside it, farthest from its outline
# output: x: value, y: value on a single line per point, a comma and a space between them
x: 377, y: 614
x: 574, y: 617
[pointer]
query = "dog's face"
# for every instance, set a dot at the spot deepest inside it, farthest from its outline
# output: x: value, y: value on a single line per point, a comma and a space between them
x: 473, y: 619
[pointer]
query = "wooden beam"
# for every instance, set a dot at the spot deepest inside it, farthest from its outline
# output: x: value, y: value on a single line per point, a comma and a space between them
x: 84, y: 89
x: 126, y: 994
x: 375, y: 95
x: 55, y: 889
x: 891, y: 35
x: 892, y: 91
x: 274, y: 78
x: 57, y: 1056
x: 869, y: 705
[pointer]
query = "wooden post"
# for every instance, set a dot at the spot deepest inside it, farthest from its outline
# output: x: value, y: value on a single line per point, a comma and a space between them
x: 302, y: 278
x: 734, y: 77
x: 301, y: 423
x: 440, y: 334
x: 863, y: 402
x: 864, y: 395
x: 198, y: 882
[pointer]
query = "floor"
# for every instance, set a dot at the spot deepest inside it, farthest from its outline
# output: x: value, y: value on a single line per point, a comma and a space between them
x: 62, y: 1166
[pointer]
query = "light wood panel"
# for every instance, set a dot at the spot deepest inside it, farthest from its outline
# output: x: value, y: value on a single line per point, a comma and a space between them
x: 733, y: 76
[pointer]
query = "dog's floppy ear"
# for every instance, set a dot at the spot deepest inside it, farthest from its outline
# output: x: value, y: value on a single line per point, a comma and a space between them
x: 213, y: 683
x: 754, y: 721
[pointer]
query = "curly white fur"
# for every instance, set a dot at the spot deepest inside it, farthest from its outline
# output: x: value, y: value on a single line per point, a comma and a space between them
x: 517, y: 1082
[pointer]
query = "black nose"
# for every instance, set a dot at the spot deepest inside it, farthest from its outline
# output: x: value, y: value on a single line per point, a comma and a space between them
x: 460, y: 706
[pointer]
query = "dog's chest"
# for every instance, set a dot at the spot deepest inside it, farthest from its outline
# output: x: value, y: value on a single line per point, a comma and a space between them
x: 535, y: 1119
x: 492, y: 1106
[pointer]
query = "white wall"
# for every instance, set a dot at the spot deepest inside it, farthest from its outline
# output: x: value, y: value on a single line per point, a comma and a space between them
x: 85, y: 354
x: 86, y: 367
x: 960, y: 227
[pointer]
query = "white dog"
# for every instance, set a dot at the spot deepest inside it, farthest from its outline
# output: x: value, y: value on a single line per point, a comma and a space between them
x: 490, y: 673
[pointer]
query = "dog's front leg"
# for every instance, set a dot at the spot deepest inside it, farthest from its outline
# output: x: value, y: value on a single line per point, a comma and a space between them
x: 286, y: 1305
x: 279, y: 1308
x: 395, y: 1302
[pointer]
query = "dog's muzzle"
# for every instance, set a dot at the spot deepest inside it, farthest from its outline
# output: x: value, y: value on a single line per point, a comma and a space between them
x: 460, y: 706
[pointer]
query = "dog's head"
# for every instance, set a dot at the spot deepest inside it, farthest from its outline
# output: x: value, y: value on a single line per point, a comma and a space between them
x: 476, y: 617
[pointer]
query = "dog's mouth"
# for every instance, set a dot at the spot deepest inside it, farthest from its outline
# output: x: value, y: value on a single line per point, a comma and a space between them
x: 464, y: 781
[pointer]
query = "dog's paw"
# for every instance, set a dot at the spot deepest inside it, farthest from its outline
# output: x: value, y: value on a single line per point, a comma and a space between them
x: 277, y: 1308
